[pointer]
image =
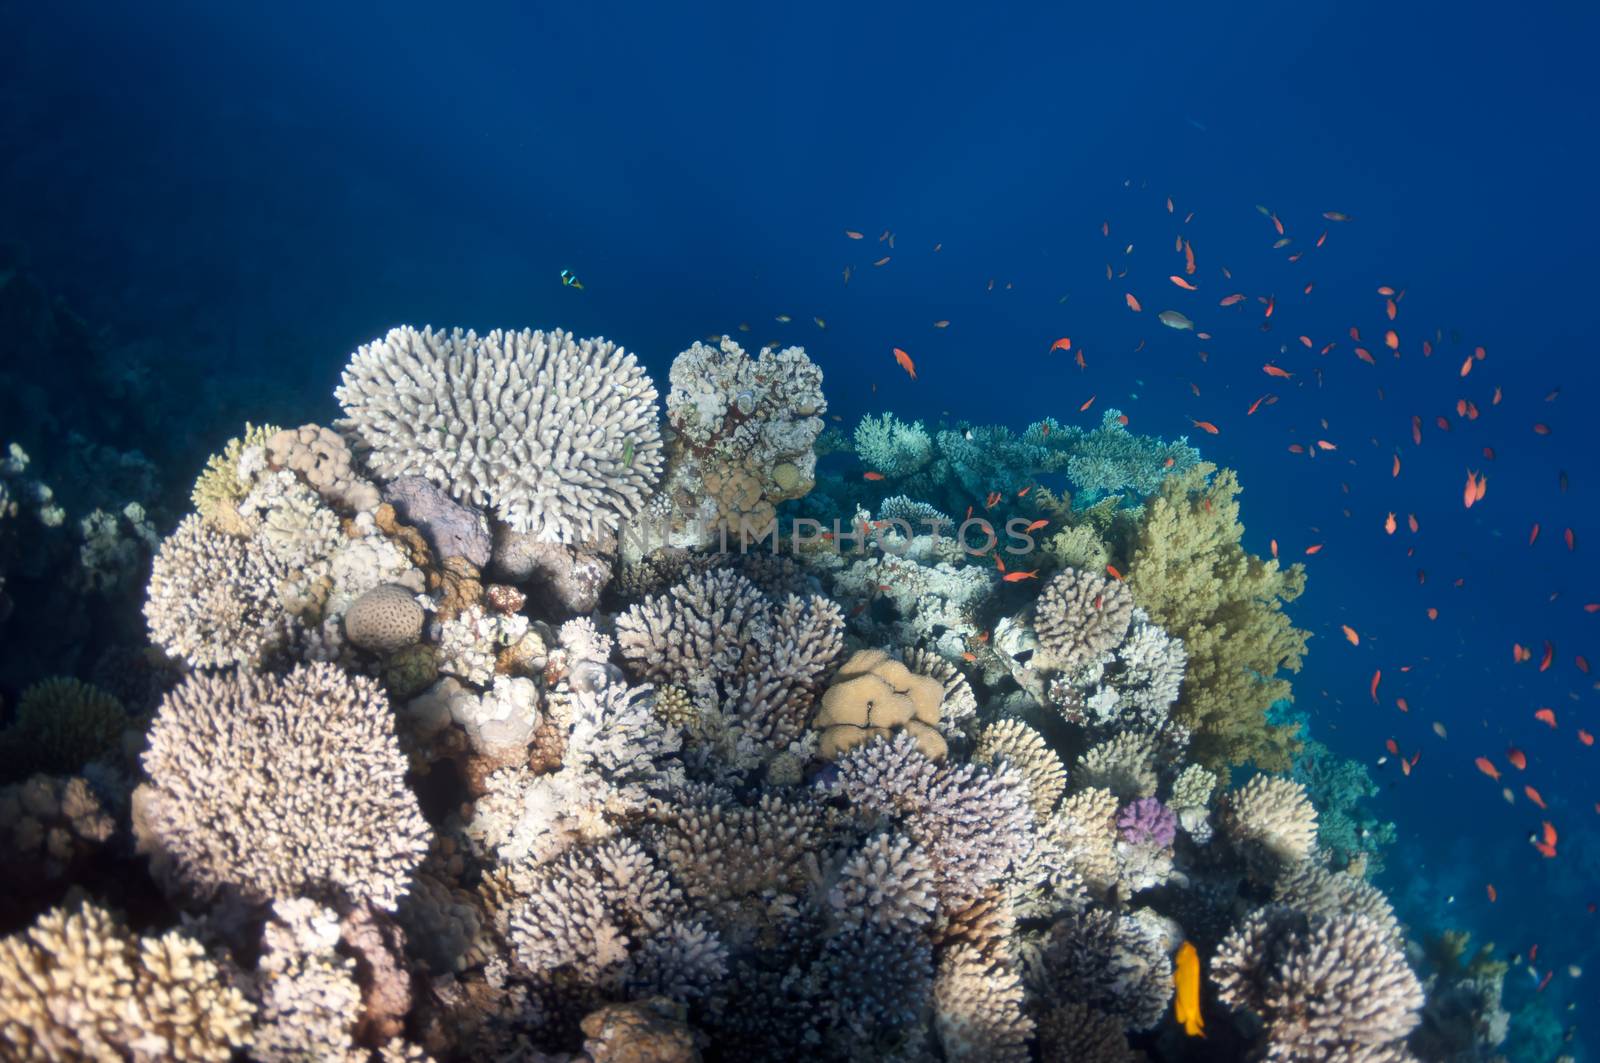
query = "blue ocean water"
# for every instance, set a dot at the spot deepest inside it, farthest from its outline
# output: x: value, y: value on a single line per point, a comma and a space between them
x: 242, y: 197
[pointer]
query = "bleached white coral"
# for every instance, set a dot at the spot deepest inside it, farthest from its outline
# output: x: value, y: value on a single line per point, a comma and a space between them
x: 307, y: 991
x: 499, y: 722
x: 1079, y: 618
x: 277, y: 787
x: 977, y: 1009
x: 558, y: 435
x: 470, y: 641
x: 212, y: 598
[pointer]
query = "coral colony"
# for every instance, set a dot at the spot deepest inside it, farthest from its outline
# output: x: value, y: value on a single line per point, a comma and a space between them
x: 478, y: 726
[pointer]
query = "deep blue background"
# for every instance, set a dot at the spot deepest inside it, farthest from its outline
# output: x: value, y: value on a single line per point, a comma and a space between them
x: 254, y: 193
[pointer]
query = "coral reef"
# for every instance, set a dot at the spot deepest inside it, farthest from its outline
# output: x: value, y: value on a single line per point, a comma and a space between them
x: 873, y: 695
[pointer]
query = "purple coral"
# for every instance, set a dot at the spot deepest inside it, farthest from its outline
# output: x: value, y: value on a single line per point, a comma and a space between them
x: 1147, y: 822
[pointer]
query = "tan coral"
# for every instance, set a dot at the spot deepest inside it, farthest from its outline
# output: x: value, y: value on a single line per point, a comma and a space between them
x: 1079, y: 617
x: 1123, y: 764
x: 384, y: 620
x: 1274, y: 815
x: 874, y: 695
x: 79, y: 984
x: 322, y: 458
x: 1032, y: 756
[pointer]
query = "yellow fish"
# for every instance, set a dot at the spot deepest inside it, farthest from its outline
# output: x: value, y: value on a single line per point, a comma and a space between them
x: 1186, y: 1001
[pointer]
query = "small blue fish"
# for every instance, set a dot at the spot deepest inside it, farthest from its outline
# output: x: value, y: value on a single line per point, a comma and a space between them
x: 571, y: 280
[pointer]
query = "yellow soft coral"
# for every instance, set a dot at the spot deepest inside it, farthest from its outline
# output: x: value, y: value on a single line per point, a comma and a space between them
x: 218, y: 490
x: 1190, y: 573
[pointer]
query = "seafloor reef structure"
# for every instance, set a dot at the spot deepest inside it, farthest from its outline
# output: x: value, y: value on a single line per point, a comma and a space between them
x: 430, y: 756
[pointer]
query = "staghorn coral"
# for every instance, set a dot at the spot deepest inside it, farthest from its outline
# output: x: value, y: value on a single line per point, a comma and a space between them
x: 78, y: 984
x: 874, y: 695
x: 272, y: 787
x: 1123, y: 764
x: 971, y: 823
x: 977, y: 1009
x: 1189, y: 571
x: 1110, y: 460
x: 212, y: 598
x: 1324, y: 988
x: 1031, y: 755
x: 558, y: 435
x: 1078, y: 618
x: 1272, y: 816
x: 321, y: 457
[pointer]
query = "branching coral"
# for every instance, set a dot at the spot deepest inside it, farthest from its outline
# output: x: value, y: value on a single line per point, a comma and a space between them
x: 212, y: 598
x: 1111, y: 962
x: 558, y: 435
x: 62, y: 724
x: 1124, y: 764
x: 1080, y: 617
x: 276, y: 787
x: 1273, y: 816
x: 1189, y: 571
x: 1335, y: 988
x: 892, y: 447
x: 219, y: 489
x: 977, y: 1006
x: 79, y: 984
x: 888, y: 881
x: 1028, y: 752
x: 307, y: 991
x: 971, y: 823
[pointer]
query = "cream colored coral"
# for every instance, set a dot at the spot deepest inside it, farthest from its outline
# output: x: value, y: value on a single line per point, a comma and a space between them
x: 1123, y: 764
x: 977, y: 1008
x: 212, y: 598
x: 1085, y: 828
x: 79, y: 985
x: 1032, y: 756
x: 558, y: 435
x: 1078, y: 618
x: 322, y: 457
x: 219, y: 489
x: 874, y: 695
x: 1274, y: 814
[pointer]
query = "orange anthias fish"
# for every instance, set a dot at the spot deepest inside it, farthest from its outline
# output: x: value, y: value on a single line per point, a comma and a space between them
x: 1133, y: 304
x: 1017, y: 577
x: 1585, y: 737
x: 1533, y: 795
x: 1036, y: 525
x: 872, y: 476
x: 1486, y: 766
x: 1186, y: 990
x: 1377, y: 677
x: 905, y: 362
x: 1205, y: 426
x: 1180, y: 282
x: 1350, y: 634
x: 1063, y: 344
x: 1389, y: 524
x: 1272, y: 370
x: 1518, y: 759
x: 1546, y: 716
x: 1111, y: 570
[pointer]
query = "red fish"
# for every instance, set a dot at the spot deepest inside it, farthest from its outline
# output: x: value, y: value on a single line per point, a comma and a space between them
x: 872, y: 476
x: 1493, y: 896
x: 1585, y: 737
x: 1087, y: 403
x: 1204, y: 425
x: 1063, y: 344
x: 1133, y: 304
x: 1180, y: 282
x: 1272, y: 370
x: 1350, y: 634
x: 1036, y: 525
x: 1546, y: 716
x: 1486, y: 766
x: 1533, y: 533
x: 1377, y: 677
x: 1533, y: 795
x: 1017, y: 577
x: 1111, y: 570
x: 905, y: 362
x: 1518, y: 758
x: 1314, y: 548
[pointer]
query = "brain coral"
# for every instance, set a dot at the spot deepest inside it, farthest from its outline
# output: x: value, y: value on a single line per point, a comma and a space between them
x: 278, y: 787
x: 212, y: 599
x: 79, y: 985
x: 1273, y: 814
x: 1080, y: 616
x: 558, y: 435
x: 1336, y: 988
x: 384, y: 619
x: 873, y: 695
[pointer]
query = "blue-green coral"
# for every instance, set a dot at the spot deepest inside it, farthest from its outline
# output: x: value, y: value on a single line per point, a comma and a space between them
x: 1110, y: 460
x: 891, y: 446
